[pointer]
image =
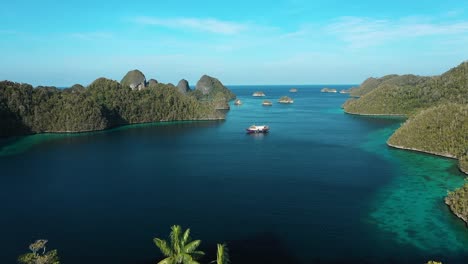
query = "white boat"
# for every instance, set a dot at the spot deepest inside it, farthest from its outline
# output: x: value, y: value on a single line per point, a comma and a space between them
x: 258, y: 129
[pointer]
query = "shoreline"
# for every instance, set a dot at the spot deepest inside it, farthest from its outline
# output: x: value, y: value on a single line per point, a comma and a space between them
x: 455, y: 213
x: 377, y: 115
x: 450, y: 156
x: 408, y: 148
x: 465, y: 220
x: 445, y: 155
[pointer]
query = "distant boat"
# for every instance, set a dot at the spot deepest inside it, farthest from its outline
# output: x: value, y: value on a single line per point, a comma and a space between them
x: 258, y: 94
x: 258, y: 129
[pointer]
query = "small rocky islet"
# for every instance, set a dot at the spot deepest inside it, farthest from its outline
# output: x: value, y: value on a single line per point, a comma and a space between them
x: 328, y: 90
x: 285, y: 100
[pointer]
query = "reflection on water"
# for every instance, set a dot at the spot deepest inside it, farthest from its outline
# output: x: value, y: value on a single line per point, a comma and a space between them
x: 18, y: 145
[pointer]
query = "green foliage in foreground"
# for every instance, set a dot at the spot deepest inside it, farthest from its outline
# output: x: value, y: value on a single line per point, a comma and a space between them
x: 458, y: 202
x: 222, y: 255
x: 180, y: 249
x: 103, y: 104
x: 38, y: 254
x: 407, y: 94
x: 441, y: 130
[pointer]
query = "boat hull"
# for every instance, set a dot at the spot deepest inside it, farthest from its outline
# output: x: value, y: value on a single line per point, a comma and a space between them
x: 255, y: 131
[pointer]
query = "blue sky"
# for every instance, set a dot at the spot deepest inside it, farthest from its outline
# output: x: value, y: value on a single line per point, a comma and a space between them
x: 240, y: 42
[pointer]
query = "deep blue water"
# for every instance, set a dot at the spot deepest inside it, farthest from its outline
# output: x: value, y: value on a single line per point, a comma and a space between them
x: 322, y: 187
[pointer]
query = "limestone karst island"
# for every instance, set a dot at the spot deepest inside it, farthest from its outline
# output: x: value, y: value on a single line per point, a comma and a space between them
x: 107, y: 103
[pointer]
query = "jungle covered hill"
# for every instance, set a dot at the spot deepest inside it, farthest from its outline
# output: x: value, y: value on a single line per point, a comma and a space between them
x: 407, y: 94
x: 458, y: 202
x: 104, y: 104
x: 440, y: 130
x: 436, y: 107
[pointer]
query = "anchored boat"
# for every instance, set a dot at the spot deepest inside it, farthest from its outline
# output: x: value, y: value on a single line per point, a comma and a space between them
x: 258, y: 129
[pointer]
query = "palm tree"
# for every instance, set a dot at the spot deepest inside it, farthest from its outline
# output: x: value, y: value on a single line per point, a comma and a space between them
x: 222, y: 256
x: 39, y: 254
x: 180, y: 250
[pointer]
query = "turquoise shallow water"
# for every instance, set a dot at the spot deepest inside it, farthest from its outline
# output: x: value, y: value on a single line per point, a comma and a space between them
x: 322, y: 187
x: 411, y: 206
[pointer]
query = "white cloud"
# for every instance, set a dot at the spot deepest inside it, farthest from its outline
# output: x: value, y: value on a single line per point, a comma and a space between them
x: 361, y: 32
x: 200, y: 24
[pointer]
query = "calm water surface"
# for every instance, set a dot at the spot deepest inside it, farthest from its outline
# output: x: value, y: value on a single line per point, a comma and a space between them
x: 322, y: 187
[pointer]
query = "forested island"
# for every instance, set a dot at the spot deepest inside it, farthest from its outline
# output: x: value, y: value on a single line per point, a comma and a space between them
x: 107, y: 103
x: 437, y: 111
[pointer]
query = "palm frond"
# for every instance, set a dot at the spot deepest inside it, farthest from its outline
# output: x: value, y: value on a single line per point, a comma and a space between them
x: 222, y: 256
x: 169, y: 260
x: 189, y: 260
x: 175, y: 238
x: 192, y: 246
x: 186, y: 237
x: 163, y: 246
x: 197, y: 254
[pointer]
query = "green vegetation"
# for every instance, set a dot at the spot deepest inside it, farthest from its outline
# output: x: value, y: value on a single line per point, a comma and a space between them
x: 222, y: 255
x: 463, y: 163
x: 369, y: 85
x: 103, y: 104
x: 39, y: 255
x: 180, y: 249
x: 441, y: 130
x: 458, y: 202
x: 407, y: 94
x: 209, y: 88
x: 285, y: 100
x: 437, y: 108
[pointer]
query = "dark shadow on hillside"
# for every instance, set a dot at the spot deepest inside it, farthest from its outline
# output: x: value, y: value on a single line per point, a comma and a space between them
x: 11, y: 123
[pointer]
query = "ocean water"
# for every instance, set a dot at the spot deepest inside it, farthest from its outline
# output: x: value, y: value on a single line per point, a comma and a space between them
x: 321, y: 187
